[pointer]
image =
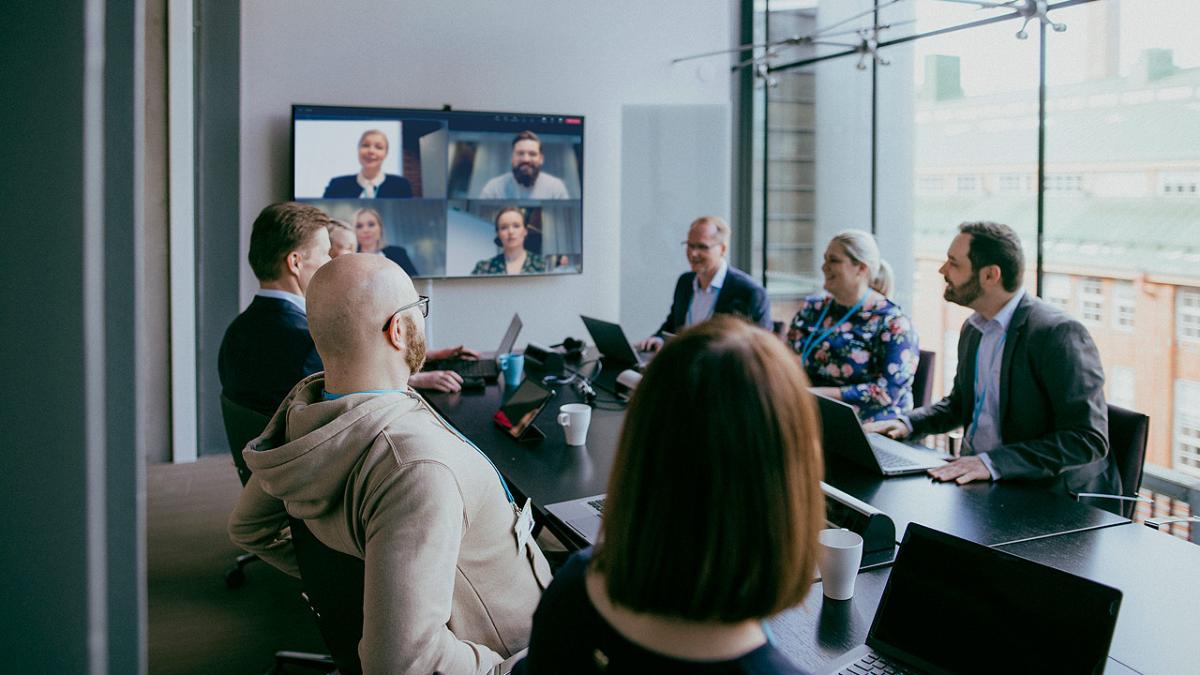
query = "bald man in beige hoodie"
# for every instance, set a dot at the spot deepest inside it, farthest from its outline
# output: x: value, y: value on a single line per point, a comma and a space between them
x: 451, y: 577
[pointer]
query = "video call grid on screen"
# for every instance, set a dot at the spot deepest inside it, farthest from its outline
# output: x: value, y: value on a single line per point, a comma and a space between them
x: 450, y: 182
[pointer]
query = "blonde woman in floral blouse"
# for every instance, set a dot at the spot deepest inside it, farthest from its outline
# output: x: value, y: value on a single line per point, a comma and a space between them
x: 510, y: 236
x: 855, y: 344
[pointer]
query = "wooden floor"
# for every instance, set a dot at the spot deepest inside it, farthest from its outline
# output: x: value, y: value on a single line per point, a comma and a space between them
x: 196, y: 624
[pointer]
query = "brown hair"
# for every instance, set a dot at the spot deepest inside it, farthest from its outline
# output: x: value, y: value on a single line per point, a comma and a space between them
x: 527, y: 136
x: 714, y: 505
x: 996, y: 244
x: 280, y: 229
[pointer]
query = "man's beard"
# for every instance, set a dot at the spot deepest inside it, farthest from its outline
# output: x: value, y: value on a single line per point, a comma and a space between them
x: 415, y: 355
x: 526, y: 173
x: 965, y: 294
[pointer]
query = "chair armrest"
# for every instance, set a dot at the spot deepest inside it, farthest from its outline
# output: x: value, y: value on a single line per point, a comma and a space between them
x: 1097, y: 495
x: 1157, y: 523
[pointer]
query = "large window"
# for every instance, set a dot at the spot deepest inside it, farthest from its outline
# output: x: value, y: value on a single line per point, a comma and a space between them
x: 948, y: 131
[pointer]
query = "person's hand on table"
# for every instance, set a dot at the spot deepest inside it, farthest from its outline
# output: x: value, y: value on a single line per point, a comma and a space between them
x: 438, y: 380
x: 890, y: 428
x: 457, y: 352
x: 650, y: 344
x: 962, y: 470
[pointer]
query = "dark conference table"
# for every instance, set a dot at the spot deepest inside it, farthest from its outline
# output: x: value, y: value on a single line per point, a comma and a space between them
x: 1161, y: 608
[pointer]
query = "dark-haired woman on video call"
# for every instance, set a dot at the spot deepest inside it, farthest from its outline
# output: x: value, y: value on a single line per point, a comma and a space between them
x: 511, y: 231
x: 370, y: 182
x: 368, y: 227
x: 688, y: 567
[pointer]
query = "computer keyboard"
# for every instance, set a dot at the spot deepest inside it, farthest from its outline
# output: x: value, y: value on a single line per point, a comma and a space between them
x: 890, y: 461
x: 873, y: 664
x: 468, y: 368
x: 597, y: 504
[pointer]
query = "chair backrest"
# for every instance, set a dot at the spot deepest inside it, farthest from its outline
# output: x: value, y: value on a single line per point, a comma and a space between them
x: 923, y: 380
x: 333, y: 582
x: 241, y: 426
x: 1127, y: 434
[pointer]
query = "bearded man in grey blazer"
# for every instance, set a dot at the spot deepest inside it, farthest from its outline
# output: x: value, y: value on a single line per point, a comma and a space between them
x: 1029, y: 389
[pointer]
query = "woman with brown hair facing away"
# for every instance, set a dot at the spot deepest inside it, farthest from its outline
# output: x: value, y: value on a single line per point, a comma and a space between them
x: 710, y: 522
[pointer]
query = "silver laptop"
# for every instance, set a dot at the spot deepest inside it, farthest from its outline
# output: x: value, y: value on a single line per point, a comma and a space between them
x: 582, y: 516
x: 843, y: 436
x: 485, y: 367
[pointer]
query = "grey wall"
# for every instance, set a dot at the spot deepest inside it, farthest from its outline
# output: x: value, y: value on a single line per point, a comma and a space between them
x: 218, y: 258
x: 583, y: 58
x: 668, y: 179
x: 72, y: 591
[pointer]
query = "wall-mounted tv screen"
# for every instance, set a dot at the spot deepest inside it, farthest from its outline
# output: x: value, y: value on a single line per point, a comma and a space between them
x: 446, y: 193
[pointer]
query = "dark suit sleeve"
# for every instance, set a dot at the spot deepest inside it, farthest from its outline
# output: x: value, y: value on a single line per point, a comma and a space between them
x: 1068, y: 370
x: 947, y: 414
x: 761, y: 314
x: 680, y: 297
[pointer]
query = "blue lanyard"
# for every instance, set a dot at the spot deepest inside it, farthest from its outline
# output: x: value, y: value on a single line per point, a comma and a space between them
x: 817, y: 336
x: 446, y: 425
x: 981, y: 393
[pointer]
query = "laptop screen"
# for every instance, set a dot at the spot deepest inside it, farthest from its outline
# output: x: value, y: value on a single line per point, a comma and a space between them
x: 962, y: 607
x: 510, y: 336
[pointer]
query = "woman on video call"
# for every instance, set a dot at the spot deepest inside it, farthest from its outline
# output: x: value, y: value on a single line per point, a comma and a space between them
x: 510, y: 235
x: 685, y: 571
x: 368, y: 227
x: 370, y: 182
x: 856, y: 344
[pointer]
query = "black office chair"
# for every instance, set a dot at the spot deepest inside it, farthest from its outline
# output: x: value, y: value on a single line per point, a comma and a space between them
x: 1127, y: 434
x: 333, y: 586
x: 241, y: 426
x: 923, y: 379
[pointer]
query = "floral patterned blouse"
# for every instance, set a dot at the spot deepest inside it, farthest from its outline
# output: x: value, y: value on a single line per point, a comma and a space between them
x: 534, y: 264
x: 872, y: 355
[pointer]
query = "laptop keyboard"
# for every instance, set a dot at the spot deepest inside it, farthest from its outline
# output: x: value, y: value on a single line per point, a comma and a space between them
x: 468, y: 368
x: 874, y: 664
x: 889, y: 461
x: 597, y: 504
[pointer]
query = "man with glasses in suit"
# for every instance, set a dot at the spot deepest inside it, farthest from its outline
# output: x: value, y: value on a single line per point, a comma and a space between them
x: 713, y: 286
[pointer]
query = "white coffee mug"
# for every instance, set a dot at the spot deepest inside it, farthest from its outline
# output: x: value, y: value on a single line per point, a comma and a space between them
x: 575, y: 418
x: 840, y: 556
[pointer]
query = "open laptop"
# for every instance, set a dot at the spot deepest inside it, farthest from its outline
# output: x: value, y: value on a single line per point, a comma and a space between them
x: 582, y: 516
x: 613, y: 345
x: 486, y: 366
x: 954, y: 606
x: 843, y: 436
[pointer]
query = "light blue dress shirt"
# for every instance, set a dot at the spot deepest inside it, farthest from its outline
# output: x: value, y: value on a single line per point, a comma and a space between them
x: 983, y: 435
x: 705, y: 300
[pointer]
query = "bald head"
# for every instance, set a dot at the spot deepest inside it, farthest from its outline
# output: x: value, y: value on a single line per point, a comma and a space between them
x: 349, y: 300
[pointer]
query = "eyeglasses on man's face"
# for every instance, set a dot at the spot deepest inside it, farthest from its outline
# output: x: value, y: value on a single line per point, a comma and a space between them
x: 422, y: 303
x: 698, y: 247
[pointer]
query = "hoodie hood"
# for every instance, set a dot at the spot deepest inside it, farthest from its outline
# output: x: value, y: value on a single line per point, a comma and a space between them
x: 311, y: 446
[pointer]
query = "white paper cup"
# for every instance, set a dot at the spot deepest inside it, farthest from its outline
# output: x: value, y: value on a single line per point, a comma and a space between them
x: 575, y: 418
x: 841, y: 554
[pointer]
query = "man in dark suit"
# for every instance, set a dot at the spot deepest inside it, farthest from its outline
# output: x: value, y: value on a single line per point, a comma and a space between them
x: 713, y: 286
x: 1029, y: 390
x: 268, y: 349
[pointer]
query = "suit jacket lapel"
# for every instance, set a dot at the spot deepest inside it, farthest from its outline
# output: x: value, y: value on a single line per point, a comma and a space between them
x: 972, y: 355
x: 685, y: 302
x: 1011, y: 338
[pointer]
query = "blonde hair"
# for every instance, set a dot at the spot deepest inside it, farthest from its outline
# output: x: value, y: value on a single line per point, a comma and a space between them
x: 718, y: 223
x: 861, y: 248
